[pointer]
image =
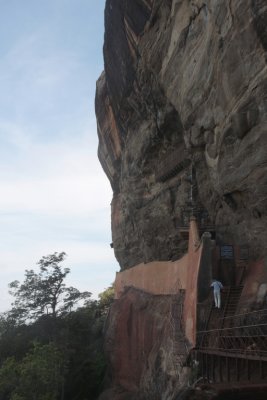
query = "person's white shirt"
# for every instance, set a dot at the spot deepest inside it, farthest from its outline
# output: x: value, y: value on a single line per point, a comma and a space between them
x: 217, y: 286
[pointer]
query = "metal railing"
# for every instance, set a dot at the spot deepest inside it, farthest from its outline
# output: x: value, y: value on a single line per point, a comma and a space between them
x: 246, y: 336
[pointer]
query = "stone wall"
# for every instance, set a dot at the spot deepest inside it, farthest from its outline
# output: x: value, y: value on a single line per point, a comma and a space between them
x: 168, y: 278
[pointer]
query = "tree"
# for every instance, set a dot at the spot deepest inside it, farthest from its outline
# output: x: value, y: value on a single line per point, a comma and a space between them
x: 44, y: 292
x: 106, y: 298
x: 38, y: 376
x: 9, y: 378
x: 74, y: 340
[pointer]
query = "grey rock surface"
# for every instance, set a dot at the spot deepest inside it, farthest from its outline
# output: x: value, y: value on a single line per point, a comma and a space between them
x: 184, y: 87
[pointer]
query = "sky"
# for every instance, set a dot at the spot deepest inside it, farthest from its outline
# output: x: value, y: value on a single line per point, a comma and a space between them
x: 54, y: 195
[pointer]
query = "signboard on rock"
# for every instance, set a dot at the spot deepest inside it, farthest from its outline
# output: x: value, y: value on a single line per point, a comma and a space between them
x: 227, y: 252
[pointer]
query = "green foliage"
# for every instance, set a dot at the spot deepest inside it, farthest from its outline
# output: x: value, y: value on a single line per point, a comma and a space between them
x: 44, y: 292
x: 106, y: 298
x: 51, y: 353
x: 38, y: 376
x: 72, y: 362
x: 9, y: 378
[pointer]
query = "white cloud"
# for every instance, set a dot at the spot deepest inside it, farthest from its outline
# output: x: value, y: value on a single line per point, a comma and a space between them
x: 56, y: 177
x: 54, y: 194
x: 59, y: 195
x: 55, y: 197
x: 83, y: 254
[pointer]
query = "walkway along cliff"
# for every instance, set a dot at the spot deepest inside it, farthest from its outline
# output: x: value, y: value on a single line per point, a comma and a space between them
x: 182, y: 118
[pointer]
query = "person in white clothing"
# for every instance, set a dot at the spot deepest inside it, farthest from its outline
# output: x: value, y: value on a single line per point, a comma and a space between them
x: 217, y: 286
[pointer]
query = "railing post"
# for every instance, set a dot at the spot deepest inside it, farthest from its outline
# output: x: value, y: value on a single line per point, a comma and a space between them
x: 237, y: 369
x: 261, y: 370
x: 248, y: 369
x: 212, y: 366
x: 220, y: 369
x: 227, y: 369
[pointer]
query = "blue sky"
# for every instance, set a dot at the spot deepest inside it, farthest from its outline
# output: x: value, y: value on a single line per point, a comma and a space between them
x: 54, y: 195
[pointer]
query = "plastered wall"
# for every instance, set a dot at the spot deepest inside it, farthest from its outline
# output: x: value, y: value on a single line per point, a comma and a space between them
x: 167, y: 277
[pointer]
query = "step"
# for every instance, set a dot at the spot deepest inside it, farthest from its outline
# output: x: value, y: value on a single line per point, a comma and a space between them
x: 234, y: 294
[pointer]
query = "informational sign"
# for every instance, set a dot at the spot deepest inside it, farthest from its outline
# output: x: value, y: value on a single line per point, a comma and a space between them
x: 227, y: 252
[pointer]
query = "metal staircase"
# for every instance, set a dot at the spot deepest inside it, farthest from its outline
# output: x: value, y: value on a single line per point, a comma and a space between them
x: 230, y: 303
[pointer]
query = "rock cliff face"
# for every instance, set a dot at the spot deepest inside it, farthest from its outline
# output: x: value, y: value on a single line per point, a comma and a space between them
x: 182, y: 124
x: 143, y: 349
x: 185, y: 83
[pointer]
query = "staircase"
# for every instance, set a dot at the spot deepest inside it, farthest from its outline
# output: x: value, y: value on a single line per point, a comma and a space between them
x: 220, y: 318
x: 176, y: 330
x: 230, y: 302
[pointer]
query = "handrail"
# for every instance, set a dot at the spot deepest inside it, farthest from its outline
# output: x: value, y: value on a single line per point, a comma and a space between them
x: 245, y: 314
x: 232, y: 328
